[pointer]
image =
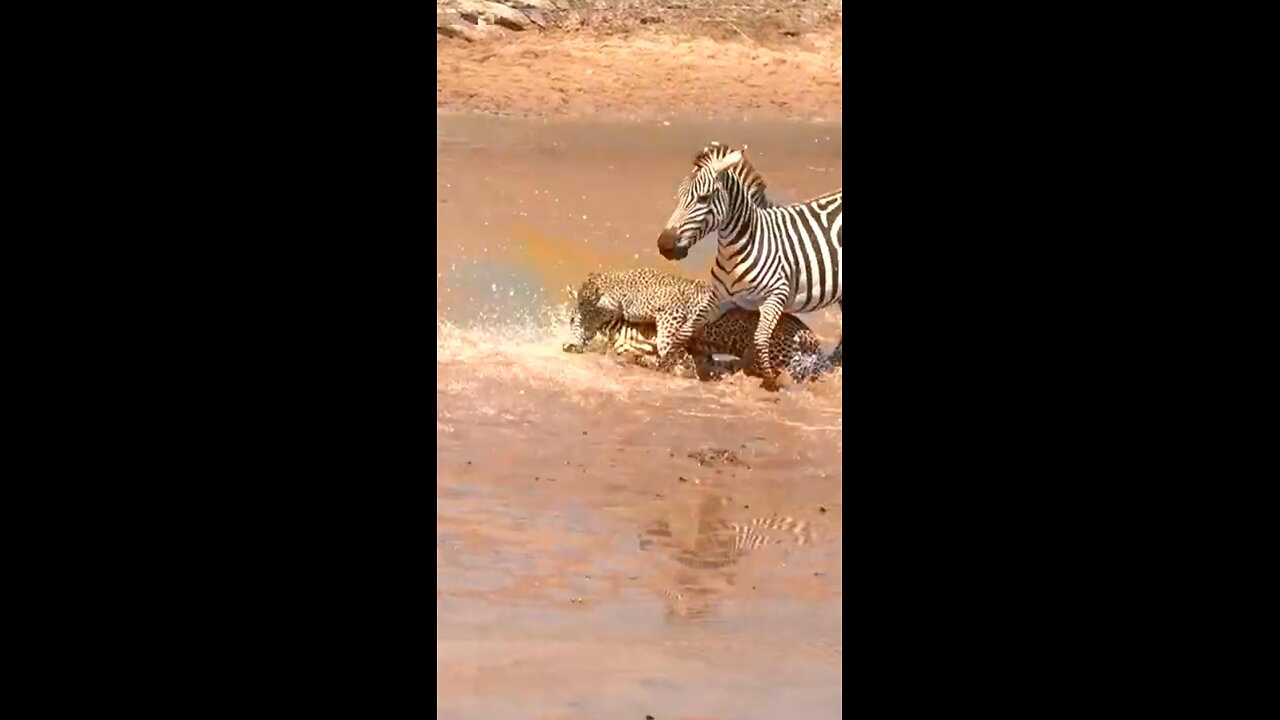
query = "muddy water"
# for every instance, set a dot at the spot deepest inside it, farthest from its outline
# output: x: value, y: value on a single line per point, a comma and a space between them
x: 610, y: 542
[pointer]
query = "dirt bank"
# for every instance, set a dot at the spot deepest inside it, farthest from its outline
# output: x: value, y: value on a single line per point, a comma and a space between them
x: 777, y: 59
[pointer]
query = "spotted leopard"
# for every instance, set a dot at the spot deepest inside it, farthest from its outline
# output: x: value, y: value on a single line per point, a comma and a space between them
x: 640, y: 295
x: 792, y: 343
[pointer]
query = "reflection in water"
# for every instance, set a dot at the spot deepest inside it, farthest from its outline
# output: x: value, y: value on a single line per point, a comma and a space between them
x: 707, y: 545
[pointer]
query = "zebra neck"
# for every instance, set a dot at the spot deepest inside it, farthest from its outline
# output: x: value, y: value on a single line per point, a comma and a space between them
x: 740, y: 246
x: 741, y: 230
x: 744, y: 197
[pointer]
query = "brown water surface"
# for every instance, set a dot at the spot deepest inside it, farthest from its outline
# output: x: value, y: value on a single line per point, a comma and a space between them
x: 603, y: 533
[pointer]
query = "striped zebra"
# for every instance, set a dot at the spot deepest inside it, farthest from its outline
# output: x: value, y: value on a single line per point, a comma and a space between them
x: 775, y: 258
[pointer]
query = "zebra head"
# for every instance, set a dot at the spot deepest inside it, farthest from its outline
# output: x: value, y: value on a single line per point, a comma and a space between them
x: 701, y: 202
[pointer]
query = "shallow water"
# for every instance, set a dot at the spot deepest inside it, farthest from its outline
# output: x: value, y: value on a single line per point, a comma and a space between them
x: 586, y: 564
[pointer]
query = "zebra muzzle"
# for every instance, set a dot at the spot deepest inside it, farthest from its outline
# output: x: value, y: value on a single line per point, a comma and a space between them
x: 669, y: 247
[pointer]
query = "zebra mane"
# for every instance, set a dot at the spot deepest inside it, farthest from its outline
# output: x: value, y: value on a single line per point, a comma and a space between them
x: 752, y: 181
x: 713, y: 151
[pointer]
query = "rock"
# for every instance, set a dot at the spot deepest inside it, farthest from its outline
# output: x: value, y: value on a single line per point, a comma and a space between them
x: 544, y: 5
x: 537, y: 17
x: 470, y: 33
x: 492, y: 12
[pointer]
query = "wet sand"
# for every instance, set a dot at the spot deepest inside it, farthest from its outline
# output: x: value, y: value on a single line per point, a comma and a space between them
x: 595, y: 553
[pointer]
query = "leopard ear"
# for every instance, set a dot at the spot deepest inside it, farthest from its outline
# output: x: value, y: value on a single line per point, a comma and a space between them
x: 572, y: 291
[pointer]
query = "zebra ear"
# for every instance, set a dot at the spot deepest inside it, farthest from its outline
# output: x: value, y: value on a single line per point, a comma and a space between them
x: 727, y: 161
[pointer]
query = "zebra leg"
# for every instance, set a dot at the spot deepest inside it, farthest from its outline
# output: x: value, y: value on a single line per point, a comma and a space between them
x: 770, y: 312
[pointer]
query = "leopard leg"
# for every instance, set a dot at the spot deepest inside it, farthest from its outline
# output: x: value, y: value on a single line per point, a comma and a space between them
x: 674, y: 330
x: 679, y: 325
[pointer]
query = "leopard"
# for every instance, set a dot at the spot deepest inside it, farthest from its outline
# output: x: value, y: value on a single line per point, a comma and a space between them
x: 794, y: 344
x: 639, y: 295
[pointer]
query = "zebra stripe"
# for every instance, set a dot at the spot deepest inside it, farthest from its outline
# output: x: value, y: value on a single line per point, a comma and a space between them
x: 630, y: 338
x: 639, y: 341
x: 720, y: 544
x: 775, y: 258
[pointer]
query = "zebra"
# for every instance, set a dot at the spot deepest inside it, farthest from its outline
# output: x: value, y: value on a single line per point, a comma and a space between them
x: 775, y: 258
